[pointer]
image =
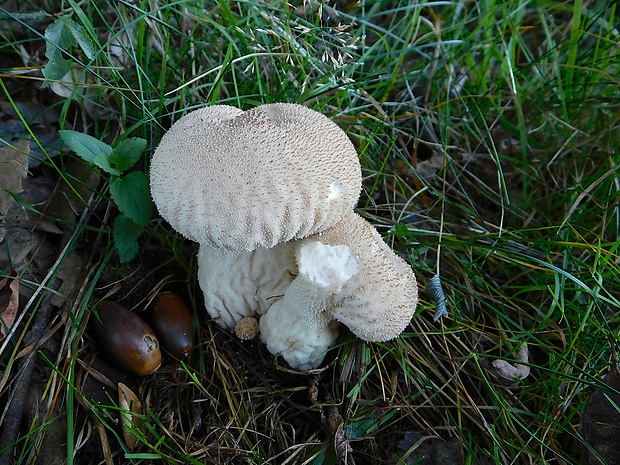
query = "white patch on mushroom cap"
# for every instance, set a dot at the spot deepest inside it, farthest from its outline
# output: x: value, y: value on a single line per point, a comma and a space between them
x: 335, y: 191
x: 241, y: 180
x: 328, y: 266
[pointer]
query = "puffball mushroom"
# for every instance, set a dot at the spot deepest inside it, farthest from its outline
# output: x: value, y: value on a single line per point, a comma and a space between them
x: 242, y: 180
x: 347, y: 274
x: 268, y: 194
x: 378, y: 303
x: 247, y: 328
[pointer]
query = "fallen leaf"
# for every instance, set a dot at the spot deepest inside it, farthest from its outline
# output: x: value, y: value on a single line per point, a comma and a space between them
x: 78, y: 84
x: 9, y: 303
x: 428, y: 169
x: 70, y: 274
x: 132, y: 415
x: 336, y: 427
x: 512, y: 371
x: 341, y: 443
x: 417, y: 449
x: 13, y: 168
x: 600, y: 425
x: 40, y: 128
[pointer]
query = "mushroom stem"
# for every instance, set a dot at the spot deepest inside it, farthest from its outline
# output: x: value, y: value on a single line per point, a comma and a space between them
x: 241, y: 284
x: 299, y: 327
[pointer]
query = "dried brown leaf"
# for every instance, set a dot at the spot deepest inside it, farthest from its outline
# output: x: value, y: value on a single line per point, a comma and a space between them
x: 9, y: 303
x: 341, y: 442
x: 514, y: 371
x: 131, y: 415
x: 600, y: 424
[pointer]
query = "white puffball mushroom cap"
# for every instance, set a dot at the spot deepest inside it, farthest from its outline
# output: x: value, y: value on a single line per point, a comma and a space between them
x: 377, y: 303
x: 241, y: 180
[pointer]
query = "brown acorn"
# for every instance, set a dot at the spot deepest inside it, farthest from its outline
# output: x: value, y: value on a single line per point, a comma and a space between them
x: 171, y: 320
x: 126, y: 338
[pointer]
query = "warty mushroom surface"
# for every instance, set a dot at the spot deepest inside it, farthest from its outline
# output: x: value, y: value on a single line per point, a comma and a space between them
x: 269, y: 195
x: 246, y: 179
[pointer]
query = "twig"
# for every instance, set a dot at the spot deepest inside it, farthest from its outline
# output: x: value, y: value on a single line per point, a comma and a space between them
x: 10, y: 426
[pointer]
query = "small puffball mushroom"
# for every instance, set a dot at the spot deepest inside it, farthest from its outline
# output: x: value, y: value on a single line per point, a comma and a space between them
x: 241, y: 180
x: 247, y: 328
x: 378, y: 302
x: 346, y: 274
x: 240, y: 284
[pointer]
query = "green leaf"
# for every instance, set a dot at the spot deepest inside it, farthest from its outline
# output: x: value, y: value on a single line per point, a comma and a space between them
x: 131, y: 195
x: 60, y: 36
x: 103, y: 161
x: 57, y: 40
x: 127, y: 153
x: 402, y: 231
x: 126, y: 234
x: 81, y: 36
x: 85, y: 146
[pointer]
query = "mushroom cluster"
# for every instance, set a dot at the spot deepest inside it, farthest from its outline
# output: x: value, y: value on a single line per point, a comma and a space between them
x: 272, y: 192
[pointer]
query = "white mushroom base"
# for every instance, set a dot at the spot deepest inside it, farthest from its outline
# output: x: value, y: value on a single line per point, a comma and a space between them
x: 303, y: 289
x: 240, y: 284
x: 301, y: 340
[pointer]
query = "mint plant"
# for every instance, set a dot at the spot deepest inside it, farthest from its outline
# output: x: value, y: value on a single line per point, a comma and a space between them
x: 129, y: 190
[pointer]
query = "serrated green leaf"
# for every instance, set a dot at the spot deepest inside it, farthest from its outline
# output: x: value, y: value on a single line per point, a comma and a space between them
x: 57, y: 39
x: 126, y: 234
x: 81, y: 36
x: 127, y: 153
x: 103, y: 161
x: 60, y: 36
x: 131, y: 195
x: 85, y: 146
